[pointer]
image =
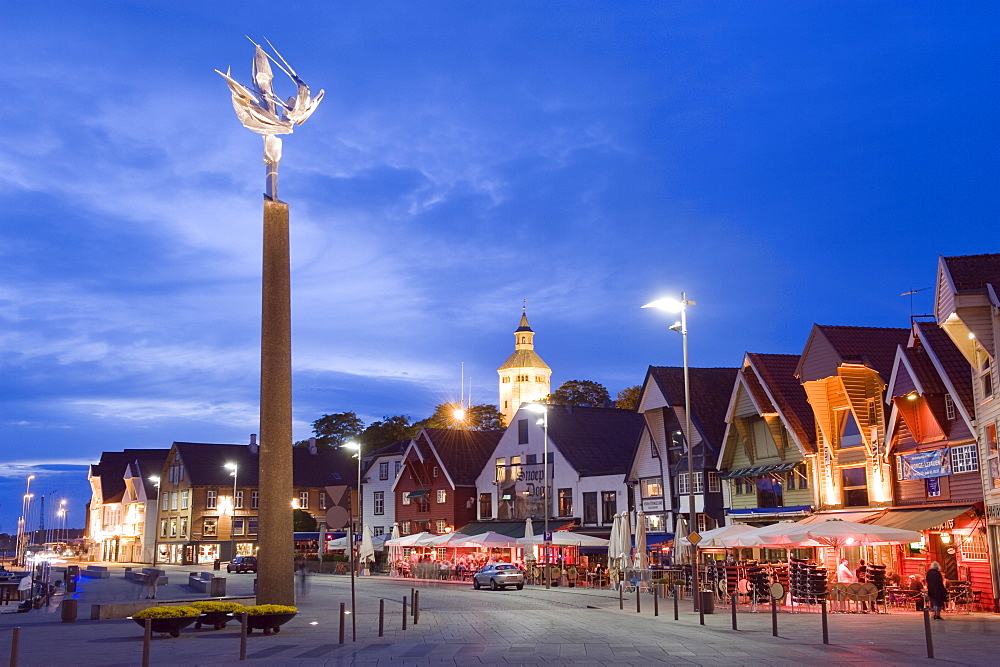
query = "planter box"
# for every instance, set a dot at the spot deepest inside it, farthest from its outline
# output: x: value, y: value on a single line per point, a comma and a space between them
x: 267, y: 622
x: 171, y: 626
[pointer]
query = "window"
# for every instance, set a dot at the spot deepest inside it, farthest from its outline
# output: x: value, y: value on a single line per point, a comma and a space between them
x: 378, y: 531
x: 964, y: 459
x: 406, y: 498
x: 565, y: 502
x: 854, y: 482
x: 441, y: 526
x: 801, y: 476
x: 506, y: 378
x: 986, y: 377
x: 239, y: 526
x: 485, y: 505
x: 973, y: 546
x: 383, y: 470
x: 991, y: 438
x: 590, y: 507
x: 322, y: 500
x: 949, y: 407
x: 515, y: 468
x: 379, y: 503
x: 651, y: 487
x: 442, y: 495
x: 609, y: 505
x: 211, y: 499
x: 683, y: 488
x: 531, y: 459
x: 173, y: 528
x: 405, y: 528
x: 163, y: 527
x: 399, y: 466
x: 184, y: 527
x: 654, y: 452
x: 303, y: 500
x: 522, y: 431
x: 254, y: 499
x: 501, y: 465
x: 164, y: 501
x: 252, y: 523
x: 210, y: 528
x: 423, y: 505
x: 770, y: 491
x: 738, y: 483
x: 238, y: 500
x: 932, y: 485
x: 173, y: 500
x: 184, y: 499
x: 713, y: 482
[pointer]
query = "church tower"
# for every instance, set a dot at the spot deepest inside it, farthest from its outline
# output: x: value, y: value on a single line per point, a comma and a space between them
x: 524, y: 377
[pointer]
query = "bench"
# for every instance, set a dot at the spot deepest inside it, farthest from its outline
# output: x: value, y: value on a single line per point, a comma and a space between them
x: 96, y: 572
x: 209, y: 583
x: 108, y: 610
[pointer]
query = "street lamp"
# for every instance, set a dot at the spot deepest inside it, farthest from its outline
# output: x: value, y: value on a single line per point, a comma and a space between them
x: 232, y: 521
x: 543, y: 420
x: 155, y: 479
x: 355, y: 445
x: 674, y: 306
x: 25, y: 510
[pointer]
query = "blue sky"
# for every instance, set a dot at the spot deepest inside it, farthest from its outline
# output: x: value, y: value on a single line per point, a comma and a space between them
x: 785, y: 163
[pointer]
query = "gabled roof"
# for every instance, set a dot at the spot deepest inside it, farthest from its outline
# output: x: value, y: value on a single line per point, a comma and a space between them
x: 463, y: 454
x: 776, y: 373
x: 204, y: 463
x: 111, y: 470
x: 394, y: 449
x: 973, y: 272
x: 711, y: 389
x: 874, y: 347
x: 595, y: 441
x: 949, y: 360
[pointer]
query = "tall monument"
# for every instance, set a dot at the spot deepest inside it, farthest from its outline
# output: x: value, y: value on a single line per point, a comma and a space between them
x: 524, y: 377
x: 261, y: 111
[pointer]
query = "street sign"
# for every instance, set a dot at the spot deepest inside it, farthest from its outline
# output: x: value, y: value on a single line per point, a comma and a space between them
x: 547, y: 536
x: 694, y: 538
x: 357, y: 537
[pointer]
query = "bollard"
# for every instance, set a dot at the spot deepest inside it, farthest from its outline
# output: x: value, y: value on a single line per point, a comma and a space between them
x: 927, y: 631
x: 147, y: 635
x: 244, y: 629
x: 15, y: 635
x: 826, y: 633
x: 774, y: 617
x: 342, y: 622
x: 735, y: 601
x: 416, y: 607
x: 381, y: 617
x: 621, y: 596
x: 677, y: 595
x: 656, y: 600
x: 638, y: 604
x: 412, y: 593
x: 701, y: 607
x: 404, y: 612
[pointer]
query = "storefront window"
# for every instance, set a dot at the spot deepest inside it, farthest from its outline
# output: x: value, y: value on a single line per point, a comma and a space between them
x: 207, y: 553
x: 565, y: 502
x: 855, y: 484
x: 210, y: 527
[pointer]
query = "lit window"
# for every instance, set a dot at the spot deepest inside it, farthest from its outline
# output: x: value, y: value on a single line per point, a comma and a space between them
x: 565, y: 502
x: 435, y: 471
x: 184, y: 527
x: 163, y: 527
x: 173, y: 500
x: 441, y: 525
x: 964, y: 458
x: 173, y: 528
x: 210, y: 527
x: 211, y: 499
x: 442, y: 495
x: 405, y: 528
x: 304, y: 500
x: 651, y: 487
x: 406, y: 499
x: 184, y: 499
x: 973, y: 547
x: 322, y: 500
x: 991, y: 437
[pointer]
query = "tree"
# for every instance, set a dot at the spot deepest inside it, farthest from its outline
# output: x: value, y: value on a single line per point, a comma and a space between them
x: 303, y: 522
x: 584, y: 393
x: 475, y: 418
x: 628, y: 398
x: 335, y: 429
x: 391, y: 429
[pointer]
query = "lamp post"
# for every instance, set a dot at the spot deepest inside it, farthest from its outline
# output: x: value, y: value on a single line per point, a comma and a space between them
x: 355, y: 445
x: 543, y: 410
x: 61, y: 535
x: 23, y: 526
x: 232, y: 521
x: 675, y: 306
x: 155, y: 479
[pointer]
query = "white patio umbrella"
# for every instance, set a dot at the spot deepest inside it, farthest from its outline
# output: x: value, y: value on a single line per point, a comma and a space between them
x: 492, y: 539
x: 765, y: 536
x: 414, y: 540
x: 366, y: 553
x: 716, y: 536
x: 564, y: 538
x: 447, y: 540
x: 839, y: 533
x: 641, y: 559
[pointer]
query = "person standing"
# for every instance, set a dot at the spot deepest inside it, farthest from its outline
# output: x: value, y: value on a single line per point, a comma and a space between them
x: 935, y: 589
x: 844, y: 573
x: 861, y: 574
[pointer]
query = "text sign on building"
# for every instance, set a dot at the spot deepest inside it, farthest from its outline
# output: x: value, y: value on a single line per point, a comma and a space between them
x: 926, y: 464
x: 652, y: 504
x: 522, y: 491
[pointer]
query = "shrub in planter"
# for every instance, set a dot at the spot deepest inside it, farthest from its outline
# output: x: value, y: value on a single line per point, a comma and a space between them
x: 167, y: 619
x: 216, y: 613
x: 268, y: 617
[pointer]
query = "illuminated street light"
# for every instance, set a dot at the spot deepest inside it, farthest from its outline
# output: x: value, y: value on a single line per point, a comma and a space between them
x: 680, y: 306
x: 232, y: 526
x: 155, y: 479
x: 354, y: 445
x: 543, y: 411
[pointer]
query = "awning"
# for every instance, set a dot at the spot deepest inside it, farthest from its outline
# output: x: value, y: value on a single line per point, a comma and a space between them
x: 769, y: 511
x: 758, y: 471
x: 418, y: 494
x: 920, y: 519
x: 858, y: 516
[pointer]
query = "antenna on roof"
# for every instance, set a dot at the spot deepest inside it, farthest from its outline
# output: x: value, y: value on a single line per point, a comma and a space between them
x: 910, y: 294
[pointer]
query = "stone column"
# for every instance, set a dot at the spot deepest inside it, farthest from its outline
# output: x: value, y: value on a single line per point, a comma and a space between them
x: 276, y: 584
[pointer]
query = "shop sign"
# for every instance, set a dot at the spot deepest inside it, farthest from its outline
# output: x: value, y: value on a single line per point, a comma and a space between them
x: 925, y: 465
x: 652, y: 504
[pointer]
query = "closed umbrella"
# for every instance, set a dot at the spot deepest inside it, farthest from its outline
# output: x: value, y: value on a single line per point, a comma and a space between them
x: 681, y: 548
x: 394, y: 534
x: 625, y: 535
x: 614, y: 544
x: 641, y: 559
x: 366, y: 553
x: 529, y: 530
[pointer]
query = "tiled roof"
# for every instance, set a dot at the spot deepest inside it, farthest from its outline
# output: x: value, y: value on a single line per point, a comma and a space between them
x: 711, y: 389
x: 874, y: 347
x: 205, y: 465
x: 463, y: 453
x: 971, y: 272
x: 111, y: 469
x: 940, y: 345
x: 524, y: 359
x: 777, y: 373
x: 924, y: 370
x: 595, y: 441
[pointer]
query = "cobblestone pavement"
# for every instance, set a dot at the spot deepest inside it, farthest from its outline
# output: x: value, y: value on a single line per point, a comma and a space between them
x: 458, y: 625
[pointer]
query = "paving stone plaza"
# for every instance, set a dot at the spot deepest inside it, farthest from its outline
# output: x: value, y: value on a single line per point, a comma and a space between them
x: 458, y: 625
